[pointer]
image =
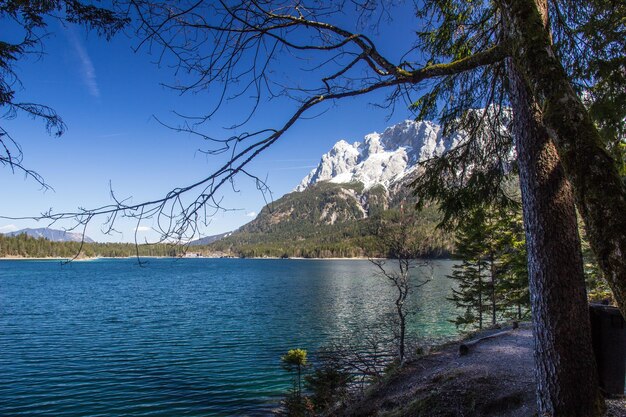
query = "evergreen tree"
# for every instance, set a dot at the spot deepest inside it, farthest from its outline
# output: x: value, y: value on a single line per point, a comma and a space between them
x: 470, y: 292
x: 329, y: 382
x: 492, y: 278
x: 295, y: 360
x: 513, y: 268
x: 598, y: 289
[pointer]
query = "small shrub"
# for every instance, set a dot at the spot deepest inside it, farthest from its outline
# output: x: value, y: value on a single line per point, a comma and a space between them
x: 328, y: 384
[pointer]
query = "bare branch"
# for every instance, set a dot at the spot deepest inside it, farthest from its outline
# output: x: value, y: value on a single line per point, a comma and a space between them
x: 236, y: 48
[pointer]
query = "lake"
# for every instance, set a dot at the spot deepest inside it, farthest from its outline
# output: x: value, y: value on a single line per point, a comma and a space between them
x: 193, y: 337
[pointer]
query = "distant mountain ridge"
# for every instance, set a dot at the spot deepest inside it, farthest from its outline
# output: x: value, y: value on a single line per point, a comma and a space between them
x: 355, y: 181
x: 207, y: 240
x: 382, y: 158
x: 52, y: 235
x: 330, y: 212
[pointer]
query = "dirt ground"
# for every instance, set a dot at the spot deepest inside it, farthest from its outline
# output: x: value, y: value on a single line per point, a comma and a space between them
x: 494, y: 379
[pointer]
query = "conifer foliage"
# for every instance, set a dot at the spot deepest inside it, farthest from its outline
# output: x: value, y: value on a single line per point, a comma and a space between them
x: 492, y: 279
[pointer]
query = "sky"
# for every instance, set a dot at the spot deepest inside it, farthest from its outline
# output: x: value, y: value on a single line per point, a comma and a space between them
x: 109, y: 96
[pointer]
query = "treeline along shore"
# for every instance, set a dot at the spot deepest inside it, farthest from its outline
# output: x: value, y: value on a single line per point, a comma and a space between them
x: 24, y: 246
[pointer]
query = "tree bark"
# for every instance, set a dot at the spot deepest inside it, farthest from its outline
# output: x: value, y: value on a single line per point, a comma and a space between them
x: 565, y: 371
x: 599, y: 191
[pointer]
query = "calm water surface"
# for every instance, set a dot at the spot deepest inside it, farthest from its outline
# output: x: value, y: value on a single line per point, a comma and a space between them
x: 193, y: 337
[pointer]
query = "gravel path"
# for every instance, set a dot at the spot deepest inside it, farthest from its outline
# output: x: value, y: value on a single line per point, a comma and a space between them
x: 495, y: 379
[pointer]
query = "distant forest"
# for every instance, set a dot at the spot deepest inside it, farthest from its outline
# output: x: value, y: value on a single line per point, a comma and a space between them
x: 345, y: 240
x: 23, y: 246
x: 307, y: 239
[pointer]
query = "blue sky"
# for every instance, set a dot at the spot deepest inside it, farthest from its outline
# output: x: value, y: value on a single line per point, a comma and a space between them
x: 107, y: 96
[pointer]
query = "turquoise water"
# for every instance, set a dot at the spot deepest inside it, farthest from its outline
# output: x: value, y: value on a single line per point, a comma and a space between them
x: 193, y: 337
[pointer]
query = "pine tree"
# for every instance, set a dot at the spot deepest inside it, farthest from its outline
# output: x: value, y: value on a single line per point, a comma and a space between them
x: 513, y: 269
x: 492, y: 278
x: 470, y: 292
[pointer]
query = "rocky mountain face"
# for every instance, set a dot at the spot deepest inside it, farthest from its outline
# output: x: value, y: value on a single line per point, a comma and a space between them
x: 333, y: 205
x: 383, y: 159
x: 53, y: 235
x: 354, y: 181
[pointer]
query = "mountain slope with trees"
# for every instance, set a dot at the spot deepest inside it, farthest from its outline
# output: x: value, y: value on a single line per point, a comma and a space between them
x: 325, y: 220
x: 335, y: 209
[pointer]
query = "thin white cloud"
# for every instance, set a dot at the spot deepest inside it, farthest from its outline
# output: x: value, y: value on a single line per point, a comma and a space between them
x: 87, y: 70
x: 295, y: 168
x: 142, y: 229
x: 251, y: 214
x: 295, y: 160
x: 8, y: 228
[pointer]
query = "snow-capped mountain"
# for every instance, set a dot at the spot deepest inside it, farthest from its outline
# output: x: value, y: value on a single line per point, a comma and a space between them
x: 331, y: 209
x: 382, y: 158
x: 354, y: 181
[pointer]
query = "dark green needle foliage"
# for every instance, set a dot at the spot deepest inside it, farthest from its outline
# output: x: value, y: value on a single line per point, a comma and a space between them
x: 328, y: 383
x: 492, y: 278
x: 295, y: 404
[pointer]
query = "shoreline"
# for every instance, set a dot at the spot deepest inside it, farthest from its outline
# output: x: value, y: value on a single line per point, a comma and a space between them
x: 92, y: 258
x: 23, y: 258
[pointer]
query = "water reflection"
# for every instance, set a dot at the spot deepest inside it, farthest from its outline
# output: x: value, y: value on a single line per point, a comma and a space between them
x: 198, y: 336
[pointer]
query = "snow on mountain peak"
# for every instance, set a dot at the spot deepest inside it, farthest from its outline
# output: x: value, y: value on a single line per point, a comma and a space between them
x: 382, y: 158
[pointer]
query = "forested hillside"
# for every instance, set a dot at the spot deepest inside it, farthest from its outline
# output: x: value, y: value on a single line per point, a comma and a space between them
x: 327, y: 220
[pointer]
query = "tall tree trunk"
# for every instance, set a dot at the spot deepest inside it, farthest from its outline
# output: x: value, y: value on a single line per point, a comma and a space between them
x: 565, y: 369
x: 599, y: 191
